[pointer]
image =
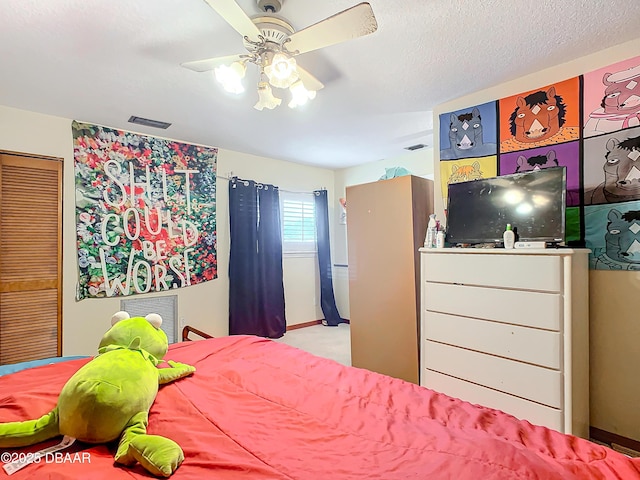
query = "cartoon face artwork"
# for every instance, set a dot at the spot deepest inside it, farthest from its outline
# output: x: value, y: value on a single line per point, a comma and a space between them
x: 620, y: 106
x: 463, y: 173
x: 537, y: 116
x: 623, y: 236
x: 466, y: 136
x: 622, y: 95
x: 465, y: 130
x: 537, y: 162
x: 622, y: 170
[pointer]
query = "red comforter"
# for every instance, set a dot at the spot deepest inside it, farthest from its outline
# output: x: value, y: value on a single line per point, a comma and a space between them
x: 258, y: 409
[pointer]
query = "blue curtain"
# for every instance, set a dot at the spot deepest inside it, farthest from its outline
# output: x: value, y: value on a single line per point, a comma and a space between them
x: 256, y: 289
x: 327, y: 299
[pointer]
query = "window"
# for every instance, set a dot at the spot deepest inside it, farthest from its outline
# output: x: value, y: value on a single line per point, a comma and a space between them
x: 298, y: 222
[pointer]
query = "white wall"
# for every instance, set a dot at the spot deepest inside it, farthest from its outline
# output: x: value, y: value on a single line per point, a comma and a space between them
x: 418, y: 162
x: 205, y: 305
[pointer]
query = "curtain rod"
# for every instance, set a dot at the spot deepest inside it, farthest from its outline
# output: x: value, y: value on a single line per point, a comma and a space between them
x: 280, y: 189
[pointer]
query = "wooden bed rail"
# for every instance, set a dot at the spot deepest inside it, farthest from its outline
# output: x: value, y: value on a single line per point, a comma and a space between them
x: 188, y: 329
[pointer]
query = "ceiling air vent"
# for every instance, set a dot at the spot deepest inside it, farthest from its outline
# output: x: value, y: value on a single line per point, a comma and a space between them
x: 417, y: 146
x: 148, y: 123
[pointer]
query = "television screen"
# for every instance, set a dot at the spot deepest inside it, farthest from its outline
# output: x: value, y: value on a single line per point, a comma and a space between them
x: 532, y: 202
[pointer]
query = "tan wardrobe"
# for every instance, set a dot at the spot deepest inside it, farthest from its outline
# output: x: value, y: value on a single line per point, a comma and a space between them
x: 386, y: 225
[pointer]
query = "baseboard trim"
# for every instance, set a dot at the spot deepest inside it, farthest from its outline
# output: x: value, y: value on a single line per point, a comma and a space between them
x: 309, y: 324
x: 609, y: 438
x: 305, y: 324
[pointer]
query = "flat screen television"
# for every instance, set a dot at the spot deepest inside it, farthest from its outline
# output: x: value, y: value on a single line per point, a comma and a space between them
x: 533, y: 203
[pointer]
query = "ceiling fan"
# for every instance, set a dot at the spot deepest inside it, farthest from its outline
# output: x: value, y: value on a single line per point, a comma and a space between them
x: 272, y: 43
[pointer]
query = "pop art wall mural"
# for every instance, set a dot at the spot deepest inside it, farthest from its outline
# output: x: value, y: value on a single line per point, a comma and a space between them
x: 612, y: 98
x: 145, y: 212
x: 545, y: 116
x: 613, y: 235
x: 590, y: 125
x: 469, y: 133
x: 611, y: 167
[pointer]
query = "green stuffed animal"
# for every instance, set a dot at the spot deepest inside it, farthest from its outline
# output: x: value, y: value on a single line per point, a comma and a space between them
x: 109, y: 398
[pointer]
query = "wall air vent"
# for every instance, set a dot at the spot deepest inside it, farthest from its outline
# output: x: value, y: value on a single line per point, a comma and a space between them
x: 417, y: 146
x: 148, y: 123
x: 166, y: 307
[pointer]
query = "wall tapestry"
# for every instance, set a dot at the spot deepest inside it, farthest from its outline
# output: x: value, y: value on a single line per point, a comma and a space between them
x: 145, y: 212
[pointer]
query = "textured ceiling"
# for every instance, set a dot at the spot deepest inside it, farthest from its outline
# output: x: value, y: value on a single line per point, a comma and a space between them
x: 103, y: 61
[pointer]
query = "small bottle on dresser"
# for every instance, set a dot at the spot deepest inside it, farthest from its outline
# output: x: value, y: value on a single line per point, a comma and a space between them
x: 440, y: 239
x: 509, y: 237
x: 432, y: 231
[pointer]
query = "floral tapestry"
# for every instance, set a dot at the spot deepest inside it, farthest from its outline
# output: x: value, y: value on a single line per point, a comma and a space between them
x: 145, y: 212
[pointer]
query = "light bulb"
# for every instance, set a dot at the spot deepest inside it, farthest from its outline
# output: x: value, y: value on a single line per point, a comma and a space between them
x: 300, y: 95
x: 230, y: 76
x: 266, y: 98
x: 282, y: 71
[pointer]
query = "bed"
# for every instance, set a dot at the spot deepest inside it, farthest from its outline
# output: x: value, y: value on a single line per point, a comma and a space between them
x: 260, y: 409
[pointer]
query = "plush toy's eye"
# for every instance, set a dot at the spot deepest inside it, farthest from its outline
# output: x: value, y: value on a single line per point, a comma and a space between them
x: 119, y: 316
x: 154, y: 319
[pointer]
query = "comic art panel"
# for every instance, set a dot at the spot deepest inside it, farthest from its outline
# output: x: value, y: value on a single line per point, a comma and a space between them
x: 612, y: 167
x: 545, y: 116
x: 573, y: 227
x: 563, y: 155
x: 466, y: 169
x: 469, y: 132
x: 612, y: 98
x: 612, y: 232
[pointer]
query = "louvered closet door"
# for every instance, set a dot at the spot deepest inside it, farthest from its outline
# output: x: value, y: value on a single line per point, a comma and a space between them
x: 30, y: 258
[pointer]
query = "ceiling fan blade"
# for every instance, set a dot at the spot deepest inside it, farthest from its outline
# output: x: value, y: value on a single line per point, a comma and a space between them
x: 236, y: 17
x: 211, y: 63
x: 351, y: 23
x: 309, y: 81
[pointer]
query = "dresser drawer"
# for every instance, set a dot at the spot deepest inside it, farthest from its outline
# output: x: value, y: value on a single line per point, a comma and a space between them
x: 472, y: 393
x: 532, y: 272
x: 538, y: 384
x: 539, y: 347
x: 533, y: 309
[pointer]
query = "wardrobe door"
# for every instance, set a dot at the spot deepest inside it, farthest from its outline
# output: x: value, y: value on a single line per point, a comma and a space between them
x: 30, y: 258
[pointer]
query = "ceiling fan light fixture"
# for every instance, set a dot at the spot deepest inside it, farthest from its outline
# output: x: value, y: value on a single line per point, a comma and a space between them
x: 266, y: 99
x: 230, y: 76
x: 282, y: 71
x: 271, y: 43
x: 300, y: 95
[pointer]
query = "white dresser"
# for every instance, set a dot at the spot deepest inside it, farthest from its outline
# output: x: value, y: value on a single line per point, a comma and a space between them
x: 509, y: 329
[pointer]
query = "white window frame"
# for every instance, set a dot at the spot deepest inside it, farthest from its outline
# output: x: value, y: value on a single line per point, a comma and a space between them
x: 304, y: 203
